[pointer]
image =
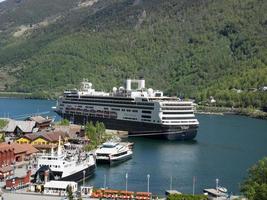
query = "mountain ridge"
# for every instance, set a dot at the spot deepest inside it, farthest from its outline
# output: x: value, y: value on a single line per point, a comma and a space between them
x: 188, y: 48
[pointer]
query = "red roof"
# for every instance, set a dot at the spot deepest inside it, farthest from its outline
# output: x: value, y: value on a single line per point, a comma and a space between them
x: 40, y: 119
x: 24, y: 148
x: 5, y: 147
x: 51, y: 136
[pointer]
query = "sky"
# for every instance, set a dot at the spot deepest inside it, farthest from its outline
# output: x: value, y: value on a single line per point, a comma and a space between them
x: 1, y: 1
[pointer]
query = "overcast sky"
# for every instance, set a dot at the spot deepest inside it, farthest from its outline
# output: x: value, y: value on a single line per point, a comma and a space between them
x: 2, y: 0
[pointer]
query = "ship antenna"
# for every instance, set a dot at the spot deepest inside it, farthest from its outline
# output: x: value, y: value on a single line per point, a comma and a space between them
x: 59, y: 146
x: 52, y: 150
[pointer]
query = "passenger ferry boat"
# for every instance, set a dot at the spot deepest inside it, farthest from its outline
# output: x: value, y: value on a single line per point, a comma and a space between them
x: 141, y: 112
x: 113, y: 152
x: 63, y: 166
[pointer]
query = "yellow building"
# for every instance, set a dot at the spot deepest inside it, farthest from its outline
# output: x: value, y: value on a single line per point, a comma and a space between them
x: 44, y: 141
x: 23, y: 140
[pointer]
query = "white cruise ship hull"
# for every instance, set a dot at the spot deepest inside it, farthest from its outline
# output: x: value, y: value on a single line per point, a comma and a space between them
x: 137, y: 129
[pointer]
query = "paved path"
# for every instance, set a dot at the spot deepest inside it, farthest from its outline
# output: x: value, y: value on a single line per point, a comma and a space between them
x: 19, y: 196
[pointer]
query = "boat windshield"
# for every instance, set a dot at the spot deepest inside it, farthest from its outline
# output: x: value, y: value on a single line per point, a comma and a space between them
x: 109, y: 144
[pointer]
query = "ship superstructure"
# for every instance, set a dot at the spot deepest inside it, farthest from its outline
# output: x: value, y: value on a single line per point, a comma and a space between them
x: 141, y: 111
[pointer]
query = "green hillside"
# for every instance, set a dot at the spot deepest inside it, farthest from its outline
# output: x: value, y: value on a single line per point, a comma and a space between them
x: 189, y: 48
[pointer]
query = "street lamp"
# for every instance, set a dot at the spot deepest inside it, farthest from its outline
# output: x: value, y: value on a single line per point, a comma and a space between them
x: 83, y: 178
x: 148, y: 177
x: 194, y: 183
x: 105, y: 180
x: 171, y: 183
x: 126, y: 183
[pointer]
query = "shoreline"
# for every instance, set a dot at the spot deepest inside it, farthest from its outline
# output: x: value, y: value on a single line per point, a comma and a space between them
x: 248, y: 112
x: 205, y: 110
x: 22, y: 95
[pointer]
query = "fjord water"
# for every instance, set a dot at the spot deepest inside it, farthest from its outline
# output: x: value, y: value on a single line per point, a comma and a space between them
x: 225, y: 147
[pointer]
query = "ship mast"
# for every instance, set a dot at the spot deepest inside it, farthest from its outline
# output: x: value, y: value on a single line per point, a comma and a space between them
x: 59, y: 148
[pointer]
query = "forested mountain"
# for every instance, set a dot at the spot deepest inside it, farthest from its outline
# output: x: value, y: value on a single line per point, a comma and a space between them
x: 190, y: 48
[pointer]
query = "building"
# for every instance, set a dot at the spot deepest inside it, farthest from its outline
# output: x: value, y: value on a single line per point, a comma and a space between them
x: 73, y: 130
x: 6, y: 171
x: 23, y: 152
x: 59, y: 188
x: 44, y: 140
x: 13, y: 152
x: 16, y: 128
x: 18, y: 182
x: 7, y: 158
x: 41, y: 122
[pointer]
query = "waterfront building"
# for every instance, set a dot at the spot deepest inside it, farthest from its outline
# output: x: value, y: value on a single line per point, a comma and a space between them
x: 41, y: 122
x: 59, y: 188
x: 18, y: 182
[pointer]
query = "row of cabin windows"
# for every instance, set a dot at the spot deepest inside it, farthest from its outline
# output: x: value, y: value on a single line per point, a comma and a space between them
x: 176, y: 108
x: 146, y: 111
x: 109, y: 105
x: 55, y: 166
x: 175, y: 104
x: 112, y: 98
x: 176, y: 113
x: 55, y: 189
x: 146, y: 116
x: 119, y: 154
x: 178, y: 118
x: 147, y: 120
x: 173, y: 122
x: 115, y: 102
x: 130, y: 118
x: 128, y: 110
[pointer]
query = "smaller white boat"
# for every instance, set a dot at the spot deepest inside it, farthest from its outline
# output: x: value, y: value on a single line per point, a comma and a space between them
x: 113, y: 152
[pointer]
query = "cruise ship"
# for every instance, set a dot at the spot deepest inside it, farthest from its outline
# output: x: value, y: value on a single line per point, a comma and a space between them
x: 140, y: 111
x: 64, y: 166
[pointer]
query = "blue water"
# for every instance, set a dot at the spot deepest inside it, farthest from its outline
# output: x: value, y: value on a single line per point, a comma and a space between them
x: 225, y: 147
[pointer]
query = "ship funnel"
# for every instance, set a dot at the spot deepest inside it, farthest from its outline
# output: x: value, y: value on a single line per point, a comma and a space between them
x: 128, y: 84
x: 141, y: 84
